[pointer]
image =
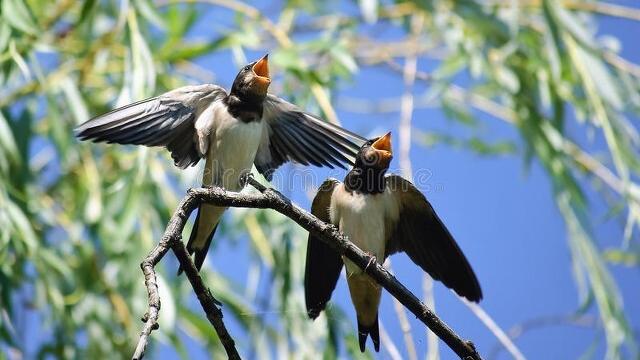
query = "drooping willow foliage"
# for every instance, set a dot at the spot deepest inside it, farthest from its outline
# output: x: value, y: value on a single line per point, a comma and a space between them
x: 76, y: 219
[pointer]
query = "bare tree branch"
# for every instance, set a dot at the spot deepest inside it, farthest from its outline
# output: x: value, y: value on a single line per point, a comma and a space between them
x: 272, y: 199
x: 172, y: 239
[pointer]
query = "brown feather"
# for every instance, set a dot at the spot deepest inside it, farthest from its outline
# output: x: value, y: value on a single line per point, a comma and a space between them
x: 421, y: 234
x: 323, y: 264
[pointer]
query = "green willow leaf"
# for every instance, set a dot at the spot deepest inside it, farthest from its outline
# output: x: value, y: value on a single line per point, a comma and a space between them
x: 9, y: 150
x: 149, y: 12
x: 605, y: 291
x: 16, y: 13
x: 5, y: 36
x: 88, y: 6
x: 605, y: 84
x: 100, y: 207
x: 22, y: 226
x: 621, y: 257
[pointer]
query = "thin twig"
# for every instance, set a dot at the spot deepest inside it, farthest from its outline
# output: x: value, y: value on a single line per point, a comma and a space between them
x: 272, y: 199
x: 208, y: 302
x: 388, y: 344
x: 172, y: 240
x: 502, y: 337
x: 433, y: 349
x: 151, y: 317
x: 405, y: 326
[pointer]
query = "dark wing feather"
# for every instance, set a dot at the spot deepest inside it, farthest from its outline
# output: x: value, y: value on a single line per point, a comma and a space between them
x: 323, y: 263
x: 422, y: 235
x: 293, y: 135
x: 167, y: 120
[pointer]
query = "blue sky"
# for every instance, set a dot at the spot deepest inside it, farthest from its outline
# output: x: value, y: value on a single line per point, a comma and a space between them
x: 501, y: 212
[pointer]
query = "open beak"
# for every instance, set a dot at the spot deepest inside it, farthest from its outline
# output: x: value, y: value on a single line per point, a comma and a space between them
x: 382, y: 146
x: 261, y: 69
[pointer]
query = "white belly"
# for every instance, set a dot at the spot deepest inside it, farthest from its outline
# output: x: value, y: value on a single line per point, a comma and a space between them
x: 362, y: 218
x: 230, y: 147
x: 232, y: 150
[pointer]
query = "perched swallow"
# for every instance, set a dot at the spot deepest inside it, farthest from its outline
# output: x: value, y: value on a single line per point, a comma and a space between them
x: 231, y: 131
x: 381, y: 214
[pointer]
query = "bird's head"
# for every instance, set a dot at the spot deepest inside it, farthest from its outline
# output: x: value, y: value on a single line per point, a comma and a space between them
x: 252, y: 82
x: 375, y: 154
x: 372, y: 162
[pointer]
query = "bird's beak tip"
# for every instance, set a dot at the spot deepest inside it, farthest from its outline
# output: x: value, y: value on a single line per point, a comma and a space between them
x: 261, y: 67
x: 383, y: 143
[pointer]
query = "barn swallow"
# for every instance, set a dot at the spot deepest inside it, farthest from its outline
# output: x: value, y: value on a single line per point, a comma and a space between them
x: 233, y: 131
x: 381, y: 214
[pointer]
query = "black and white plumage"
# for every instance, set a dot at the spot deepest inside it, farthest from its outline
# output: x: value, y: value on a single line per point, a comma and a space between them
x: 382, y: 214
x: 232, y: 131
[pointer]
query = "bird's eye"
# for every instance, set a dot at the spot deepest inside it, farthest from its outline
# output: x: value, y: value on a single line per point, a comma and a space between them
x: 370, y: 158
x: 246, y: 68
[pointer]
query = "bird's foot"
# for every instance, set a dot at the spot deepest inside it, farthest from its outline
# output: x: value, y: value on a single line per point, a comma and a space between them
x: 371, y: 262
x: 246, y: 178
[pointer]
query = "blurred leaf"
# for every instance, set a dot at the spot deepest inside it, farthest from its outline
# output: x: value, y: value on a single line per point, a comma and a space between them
x: 8, y: 147
x: 23, y: 228
x: 259, y: 240
x: 450, y: 66
x: 605, y: 84
x: 19, y: 60
x: 572, y: 24
x: 179, y: 20
x: 507, y: 78
x: 197, y: 326
x: 289, y: 59
x: 353, y: 348
x: 74, y: 99
x: 473, y: 144
x: 101, y: 207
x: 88, y: 6
x: 149, y: 12
x: 369, y: 10
x: 16, y: 13
x: 457, y: 110
x: 168, y: 310
x: 499, y: 148
x: 605, y: 291
x: 51, y: 261
x: 621, y: 257
x: 190, y: 51
x: 142, y: 73
x: 342, y: 56
x: 5, y: 36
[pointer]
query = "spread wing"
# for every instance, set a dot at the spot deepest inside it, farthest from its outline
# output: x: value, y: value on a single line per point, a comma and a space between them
x: 323, y: 263
x: 293, y: 135
x: 167, y: 120
x: 421, y: 234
